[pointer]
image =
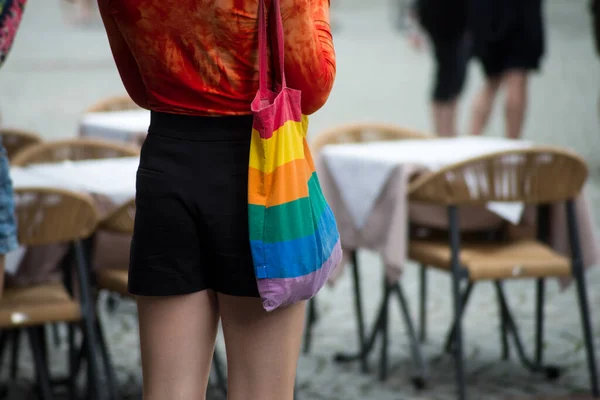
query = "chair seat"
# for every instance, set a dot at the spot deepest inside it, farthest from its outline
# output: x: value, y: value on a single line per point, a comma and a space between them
x: 516, y: 259
x: 37, y: 305
x: 113, y: 279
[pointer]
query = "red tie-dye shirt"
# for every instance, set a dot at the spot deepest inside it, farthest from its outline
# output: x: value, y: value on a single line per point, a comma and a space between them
x: 199, y: 57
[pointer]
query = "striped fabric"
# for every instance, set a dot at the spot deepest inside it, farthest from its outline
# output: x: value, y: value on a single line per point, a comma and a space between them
x: 294, y: 238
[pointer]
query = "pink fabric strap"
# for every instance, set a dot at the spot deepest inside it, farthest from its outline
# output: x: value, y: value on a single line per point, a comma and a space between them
x: 263, y: 44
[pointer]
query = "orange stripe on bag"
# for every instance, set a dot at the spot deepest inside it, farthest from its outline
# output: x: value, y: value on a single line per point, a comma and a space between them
x: 287, y: 183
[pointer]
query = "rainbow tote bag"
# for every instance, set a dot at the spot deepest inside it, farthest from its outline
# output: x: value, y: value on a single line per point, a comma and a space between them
x: 293, y: 234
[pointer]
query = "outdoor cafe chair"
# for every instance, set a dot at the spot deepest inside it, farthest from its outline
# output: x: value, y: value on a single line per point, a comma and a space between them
x: 73, y: 150
x: 48, y: 216
x: 536, y: 176
x: 363, y: 133
x: 15, y: 140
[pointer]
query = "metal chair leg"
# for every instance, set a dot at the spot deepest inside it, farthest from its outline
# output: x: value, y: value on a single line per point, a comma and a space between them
x: 423, y: 304
x: 383, y: 361
x: 421, y: 376
x: 41, y: 368
x: 503, y: 332
x: 359, y: 311
x: 451, y: 335
x: 219, y: 371
x: 55, y: 335
x: 539, y: 321
x: 456, y: 277
x: 88, y: 323
x: 311, y: 319
x: 551, y: 372
x: 3, y: 337
x: 582, y: 296
x: 109, y: 371
x: 72, y: 362
x: 16, y: 347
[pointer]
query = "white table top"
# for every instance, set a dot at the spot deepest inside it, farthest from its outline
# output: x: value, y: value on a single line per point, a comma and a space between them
x: 114, y: 177
x: 362, y: 169
x: 116, y: 124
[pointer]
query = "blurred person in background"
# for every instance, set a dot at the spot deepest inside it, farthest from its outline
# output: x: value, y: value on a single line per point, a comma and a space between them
x: 445, y: 22
x: 194, y: 64
x: 508, y: 40
x: 11, y: 12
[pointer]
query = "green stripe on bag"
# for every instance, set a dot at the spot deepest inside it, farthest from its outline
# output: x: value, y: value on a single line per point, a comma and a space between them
x: 289, y: 221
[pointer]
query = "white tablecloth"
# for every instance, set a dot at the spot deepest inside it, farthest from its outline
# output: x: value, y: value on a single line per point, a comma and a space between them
x: 126, y: 126
x: 113, y: 178
x: 361, y: 170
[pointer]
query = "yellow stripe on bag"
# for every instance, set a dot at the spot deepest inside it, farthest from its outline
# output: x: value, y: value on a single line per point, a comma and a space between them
x: 286, y: 144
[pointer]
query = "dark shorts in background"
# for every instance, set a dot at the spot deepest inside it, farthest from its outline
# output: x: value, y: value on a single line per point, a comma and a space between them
x: 451, y: 58
x: 515, y: 52
x: 191, y: 224
x: 508, y: 35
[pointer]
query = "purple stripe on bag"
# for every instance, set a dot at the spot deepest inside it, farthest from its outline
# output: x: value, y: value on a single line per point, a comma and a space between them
x: 281, y: 292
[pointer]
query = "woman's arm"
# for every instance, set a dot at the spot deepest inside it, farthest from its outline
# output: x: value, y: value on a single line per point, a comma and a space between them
x: 126, y: 63
x: 309, y: 53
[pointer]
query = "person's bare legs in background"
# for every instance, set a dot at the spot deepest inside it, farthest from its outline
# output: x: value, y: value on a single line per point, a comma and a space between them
x: 514, y: 83
x: 451, y: 50
x: 483, y: 105
x: 515, y: 106
x: 444, y: 117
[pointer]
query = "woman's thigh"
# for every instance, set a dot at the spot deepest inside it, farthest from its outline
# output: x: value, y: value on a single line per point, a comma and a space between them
x: 262, y: 348
x: 177, y: 338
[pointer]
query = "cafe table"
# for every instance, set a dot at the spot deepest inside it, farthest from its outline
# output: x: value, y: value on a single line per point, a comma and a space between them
x: 110, y: 182
x: 366, y: 186
x: 129, y: 126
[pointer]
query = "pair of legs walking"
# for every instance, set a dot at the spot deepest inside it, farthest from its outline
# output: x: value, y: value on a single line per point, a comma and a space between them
x: 514, y: 82
x: 177, y: 336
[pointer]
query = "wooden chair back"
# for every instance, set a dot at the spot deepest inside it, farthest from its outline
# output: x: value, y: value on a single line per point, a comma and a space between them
x: 16, y: 140
x: 113, y: 103
x: 73, y: 150
x: 532, y: 176
x: 120, y: 220
x: 52, y: 216
x: 365, y: 132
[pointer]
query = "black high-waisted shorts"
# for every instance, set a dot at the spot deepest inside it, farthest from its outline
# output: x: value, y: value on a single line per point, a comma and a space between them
x: 191, y: 223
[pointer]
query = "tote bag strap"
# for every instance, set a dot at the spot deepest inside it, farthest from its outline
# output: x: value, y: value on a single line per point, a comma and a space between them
x: 263, y: 44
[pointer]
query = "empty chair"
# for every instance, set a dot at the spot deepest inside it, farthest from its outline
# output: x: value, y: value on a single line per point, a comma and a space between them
x: 49, y: 216
x: 73, y: 150
x: 536, y: 177
x: 16, y: 140
x: 364, y: 132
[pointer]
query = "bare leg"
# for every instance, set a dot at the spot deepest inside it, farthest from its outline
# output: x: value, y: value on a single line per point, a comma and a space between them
x: 516, y: 102
x: 482, y: 107
x: 177, y: 338
x: 444, y: 118
x: 262, y: 348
